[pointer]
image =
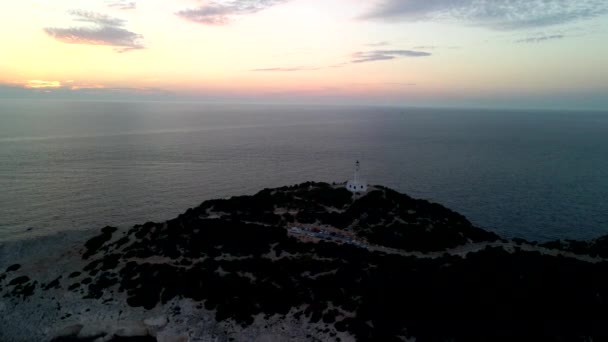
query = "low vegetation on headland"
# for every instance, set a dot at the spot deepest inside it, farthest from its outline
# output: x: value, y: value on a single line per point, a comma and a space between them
x: 393, y: 268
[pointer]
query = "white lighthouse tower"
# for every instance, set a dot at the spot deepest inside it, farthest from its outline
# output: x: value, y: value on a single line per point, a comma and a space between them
x: 356, y: 184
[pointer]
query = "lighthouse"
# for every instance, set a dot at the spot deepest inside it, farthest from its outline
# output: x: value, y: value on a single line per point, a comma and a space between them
x: 356, y: 184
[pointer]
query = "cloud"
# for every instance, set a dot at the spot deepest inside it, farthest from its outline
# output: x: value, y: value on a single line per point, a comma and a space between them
x: 122, y: 4
x: 87, y: 87
x: 540, y: 39
x: 70, y: 89
x: 130, y: 91
x: 219, y: 12
x: 102, y: 30
x: 38, y: 84
x: 382, y: 55
x: 356, y: 58
x: 495, y: 14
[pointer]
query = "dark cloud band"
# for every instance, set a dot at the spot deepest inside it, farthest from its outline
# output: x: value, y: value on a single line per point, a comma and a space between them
x: 496, y: 14
x: 382, y: 55
x: 221, y: 12
x: 540, y: 39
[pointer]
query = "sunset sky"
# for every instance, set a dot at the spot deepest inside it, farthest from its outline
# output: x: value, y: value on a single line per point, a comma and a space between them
x: 503, y: 53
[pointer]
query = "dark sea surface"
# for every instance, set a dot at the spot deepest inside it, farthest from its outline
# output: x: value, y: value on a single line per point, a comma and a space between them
x: 83, y: 165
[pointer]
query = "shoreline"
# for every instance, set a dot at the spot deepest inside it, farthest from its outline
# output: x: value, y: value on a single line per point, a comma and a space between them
x: 293, y: 263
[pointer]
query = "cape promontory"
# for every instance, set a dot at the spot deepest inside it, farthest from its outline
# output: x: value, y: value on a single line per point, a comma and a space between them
x: 310, y: 262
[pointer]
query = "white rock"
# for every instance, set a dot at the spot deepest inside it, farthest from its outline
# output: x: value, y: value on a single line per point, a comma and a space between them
x: 156, y: 322
x: 172, y: 338
x: 70, y: 331
x: 104, y: 338
x: 94, y: 330
x: 132, y: 329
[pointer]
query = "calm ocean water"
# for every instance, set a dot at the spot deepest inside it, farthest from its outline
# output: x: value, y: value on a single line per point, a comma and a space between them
x: 83, y: 165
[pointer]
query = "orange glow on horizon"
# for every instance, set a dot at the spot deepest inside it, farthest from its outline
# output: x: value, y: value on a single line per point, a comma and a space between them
x: 36, y: 84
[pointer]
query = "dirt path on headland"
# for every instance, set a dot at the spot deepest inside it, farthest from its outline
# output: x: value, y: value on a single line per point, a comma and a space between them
x: 308, y: 233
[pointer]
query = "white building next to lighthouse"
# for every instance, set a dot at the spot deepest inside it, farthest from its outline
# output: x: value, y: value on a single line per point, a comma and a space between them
x: 356, y: 184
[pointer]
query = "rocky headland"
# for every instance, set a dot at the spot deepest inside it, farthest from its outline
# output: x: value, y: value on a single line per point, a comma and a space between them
x: 310, y: 262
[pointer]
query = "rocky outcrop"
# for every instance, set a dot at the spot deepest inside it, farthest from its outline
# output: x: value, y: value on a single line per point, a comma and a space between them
x: 314, y: 262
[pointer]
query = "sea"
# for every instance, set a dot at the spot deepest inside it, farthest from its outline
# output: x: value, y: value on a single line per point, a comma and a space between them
x: 82, y: 165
